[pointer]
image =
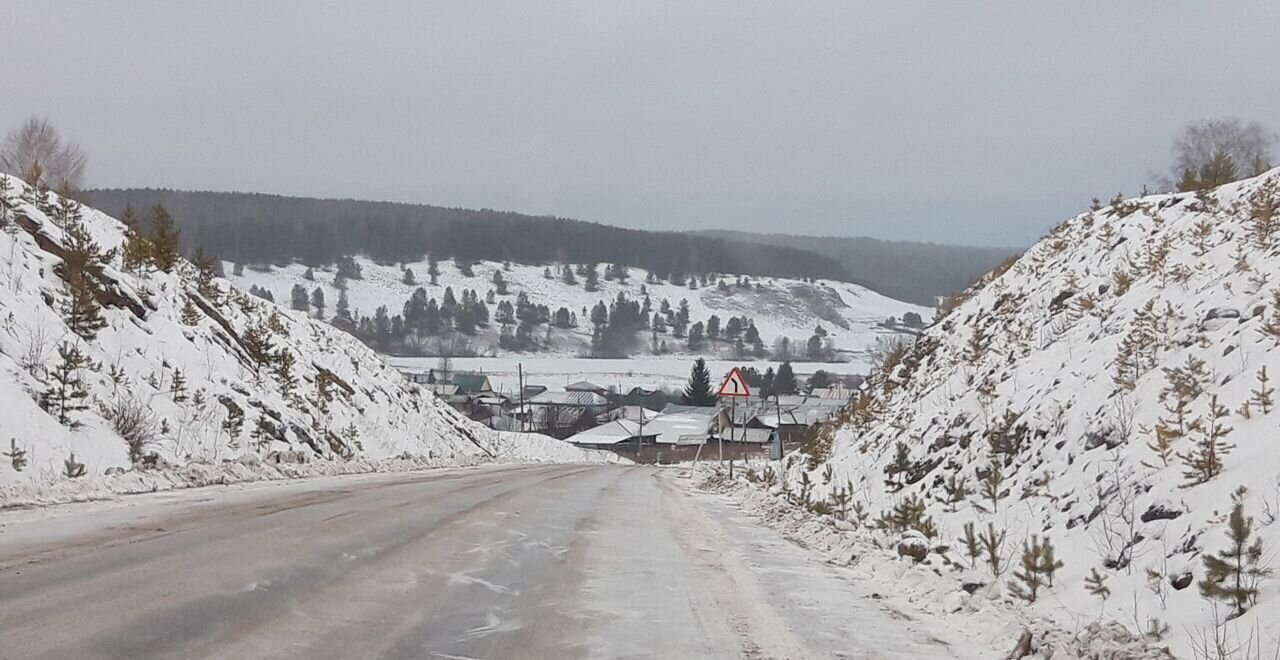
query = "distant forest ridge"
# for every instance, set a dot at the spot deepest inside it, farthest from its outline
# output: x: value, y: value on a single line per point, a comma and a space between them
x: 274, y: 229
x: 911, y: 272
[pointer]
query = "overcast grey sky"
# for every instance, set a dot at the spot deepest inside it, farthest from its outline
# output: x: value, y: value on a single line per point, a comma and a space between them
x: 966, y: 122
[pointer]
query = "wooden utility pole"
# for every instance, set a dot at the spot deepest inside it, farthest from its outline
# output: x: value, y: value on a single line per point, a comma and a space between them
x: 524, y: 414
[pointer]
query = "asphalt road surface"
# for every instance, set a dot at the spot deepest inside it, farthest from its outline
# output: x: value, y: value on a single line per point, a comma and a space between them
x: 510, y: 562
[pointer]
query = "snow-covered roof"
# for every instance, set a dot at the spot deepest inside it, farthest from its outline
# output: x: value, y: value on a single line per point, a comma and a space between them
x: 633, y: 413
x: 682, y: 425
x: 838, y: 392
x: 579, y: 399
x: 584, y: 386
x: 607, y: 434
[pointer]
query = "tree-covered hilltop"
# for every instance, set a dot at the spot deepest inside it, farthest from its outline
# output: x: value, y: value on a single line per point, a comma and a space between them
x: 258, y: 228
x: 909, y: 271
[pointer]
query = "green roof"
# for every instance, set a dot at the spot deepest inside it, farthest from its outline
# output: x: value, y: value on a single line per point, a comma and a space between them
x: 471, y: 383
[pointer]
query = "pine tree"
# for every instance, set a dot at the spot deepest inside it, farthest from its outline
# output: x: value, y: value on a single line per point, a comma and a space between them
x: 282, y: 364
x: 407, y: 277
x: 976, y: 347
x: 1264, y: 213
x: 317, y: 301
x: 698, y: 390
x: 348, y: 269
x: 1162, y: 444
x: 163, y: 239
x: 81, y: 254
x: 1029, y: 578
x: 1204, y: 460
x: 433, y: 269
x: 993, y: 485
x: 298, y: 299
x: 343, y: 310
x: 901, y: 463
x: 234, y: 423
x: 257, y: 342
x: 190, y: 314
x: 1263, y: 397
x: 785, y: 380
x: 1138, y: 349
x: 66, y: 393
x: 1272, y: 326
x: 957, y: 490
x: 178, y: 388
x: 1096, y: 584
x: 81, y: 311
x: 992, y: 543
x: 207, y: 267
x: 696, y: 337
x: 17, y: 455
x: 1232, y: 575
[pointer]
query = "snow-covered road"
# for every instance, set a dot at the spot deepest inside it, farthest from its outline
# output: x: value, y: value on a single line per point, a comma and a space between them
x: 496, y: 562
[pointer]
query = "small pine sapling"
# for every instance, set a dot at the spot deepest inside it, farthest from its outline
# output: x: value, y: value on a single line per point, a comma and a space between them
x: 1162, y: 444
x: 1264, y: 213
x: 993, y: 548
x: 972, y: 545
x: 1029, y: 581
x: 1039, y: 564
x: 1096, y: 584
x: 73, y: 469
x: 17, y: 455
x: 190, y: 315
x: 900, y: 465
x: 1204, y: 460
x: 1271, y: 327
x: 1263, y: 396
x: 80, y: 310
x: 993, y: 486
x: 66, y: 395
x: 178, y: 388
x: 1232, y: 574
x: 908, y: 514
x: 957, y: 490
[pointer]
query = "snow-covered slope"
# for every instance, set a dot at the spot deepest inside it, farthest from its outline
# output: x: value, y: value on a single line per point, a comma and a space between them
x: 191, y: 376
x: 853, y: 315
x: 1063, y: 374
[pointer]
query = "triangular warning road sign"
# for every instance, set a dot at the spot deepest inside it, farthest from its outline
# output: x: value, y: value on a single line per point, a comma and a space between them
x: 734, y: 385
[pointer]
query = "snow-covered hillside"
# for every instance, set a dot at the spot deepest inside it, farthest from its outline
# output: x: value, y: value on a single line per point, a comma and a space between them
x: 185, y: 368
x: 854, y: 316
x: 1111, y: 394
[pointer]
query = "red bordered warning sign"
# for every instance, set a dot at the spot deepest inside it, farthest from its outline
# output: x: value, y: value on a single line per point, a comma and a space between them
x: 734, y: 386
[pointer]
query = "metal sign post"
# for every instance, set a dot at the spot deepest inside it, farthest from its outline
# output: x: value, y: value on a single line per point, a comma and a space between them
x: 734, y: 387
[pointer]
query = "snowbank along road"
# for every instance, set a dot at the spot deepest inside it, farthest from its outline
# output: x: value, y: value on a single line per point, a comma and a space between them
x: 495, y: 562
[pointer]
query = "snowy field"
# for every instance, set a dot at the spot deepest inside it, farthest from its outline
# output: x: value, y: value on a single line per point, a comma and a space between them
x: 556, y: 372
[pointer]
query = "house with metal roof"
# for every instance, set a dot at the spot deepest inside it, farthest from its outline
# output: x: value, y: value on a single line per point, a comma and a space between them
x: 613, y: 435
x: 629, y: 413
x: 471, y: 383
x: 587, y: 386
x: 683, y: 425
